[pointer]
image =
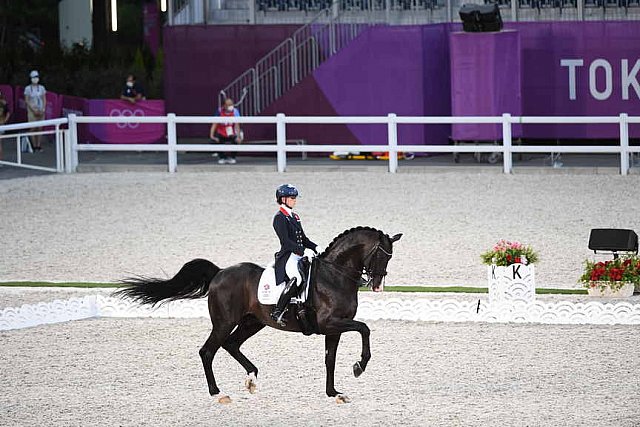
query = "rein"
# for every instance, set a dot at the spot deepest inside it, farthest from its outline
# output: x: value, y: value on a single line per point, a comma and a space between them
x: 341, y: 270
x: 368, y: 270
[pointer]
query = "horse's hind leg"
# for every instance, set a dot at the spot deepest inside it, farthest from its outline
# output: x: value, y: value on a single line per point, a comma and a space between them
x: 218, y: 335
x: 247, y: 328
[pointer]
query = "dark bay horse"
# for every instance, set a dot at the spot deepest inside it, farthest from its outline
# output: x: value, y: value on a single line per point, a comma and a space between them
x: 233, y: 301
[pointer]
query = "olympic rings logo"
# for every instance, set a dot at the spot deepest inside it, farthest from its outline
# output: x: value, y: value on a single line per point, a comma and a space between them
x: 126, y: 113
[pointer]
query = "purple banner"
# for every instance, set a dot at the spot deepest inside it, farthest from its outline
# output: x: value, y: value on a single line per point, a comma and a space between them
x: 580, y: 69
x: 126, y: 133
x: 76, y: 105
x: 73, y: 104
x: 485, y: 81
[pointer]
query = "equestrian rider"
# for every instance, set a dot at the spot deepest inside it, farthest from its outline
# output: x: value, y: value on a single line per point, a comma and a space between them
x: 293, y: 241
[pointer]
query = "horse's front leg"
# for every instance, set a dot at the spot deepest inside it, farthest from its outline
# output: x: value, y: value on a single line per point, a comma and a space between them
x: 339, y: 326
x: 330, y: 349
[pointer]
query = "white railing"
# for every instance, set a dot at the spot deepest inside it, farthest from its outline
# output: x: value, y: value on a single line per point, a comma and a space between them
x: 71, y: 147
x: 60, y: 135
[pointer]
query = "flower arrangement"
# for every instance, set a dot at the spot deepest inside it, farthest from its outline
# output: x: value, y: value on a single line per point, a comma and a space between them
x: 505, y: 253
x: 614, y: 274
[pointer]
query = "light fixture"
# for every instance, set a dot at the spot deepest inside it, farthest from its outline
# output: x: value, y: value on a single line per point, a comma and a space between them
x: 114, y: 15
x: 163, y: 5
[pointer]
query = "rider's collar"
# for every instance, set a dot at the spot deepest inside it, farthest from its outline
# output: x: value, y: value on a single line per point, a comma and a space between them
x: 287, y: 210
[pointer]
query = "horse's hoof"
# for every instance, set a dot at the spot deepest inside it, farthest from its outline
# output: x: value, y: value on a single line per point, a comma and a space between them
x: 223, y: 399
x: 357, y: 369
x: 342, y: 398
x: 250, y: 383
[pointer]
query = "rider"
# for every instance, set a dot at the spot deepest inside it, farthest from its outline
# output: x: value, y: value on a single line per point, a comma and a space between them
x: 293, y: 241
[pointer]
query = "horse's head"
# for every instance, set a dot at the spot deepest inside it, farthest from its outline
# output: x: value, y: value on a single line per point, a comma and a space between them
x: 365, y: 250
x: 375, y: 262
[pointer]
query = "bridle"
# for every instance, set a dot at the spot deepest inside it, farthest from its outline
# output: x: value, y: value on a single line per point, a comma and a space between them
x: 370, y: 269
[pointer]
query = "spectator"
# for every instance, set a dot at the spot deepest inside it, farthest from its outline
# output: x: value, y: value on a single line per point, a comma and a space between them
x: 35, y: 95
x: 132, y: 92
x: 226, y: 133
x: 5, y: 115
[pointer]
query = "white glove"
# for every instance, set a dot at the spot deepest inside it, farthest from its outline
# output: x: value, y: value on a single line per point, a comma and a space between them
x: 319, y: 249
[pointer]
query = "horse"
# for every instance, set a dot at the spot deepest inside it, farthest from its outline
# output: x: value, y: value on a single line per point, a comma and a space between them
x: 236, y: 314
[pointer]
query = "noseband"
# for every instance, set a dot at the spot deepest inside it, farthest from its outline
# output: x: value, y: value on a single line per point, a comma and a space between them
x: 371, y: 265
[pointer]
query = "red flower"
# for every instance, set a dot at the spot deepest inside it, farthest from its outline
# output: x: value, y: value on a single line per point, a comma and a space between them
x: 508, y: 257
x: 518, y: 260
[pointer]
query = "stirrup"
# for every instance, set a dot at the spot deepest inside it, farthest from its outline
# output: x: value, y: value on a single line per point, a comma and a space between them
x: 278, y: 317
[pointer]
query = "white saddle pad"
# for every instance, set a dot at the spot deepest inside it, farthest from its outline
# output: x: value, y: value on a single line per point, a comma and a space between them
x: 269, y: 292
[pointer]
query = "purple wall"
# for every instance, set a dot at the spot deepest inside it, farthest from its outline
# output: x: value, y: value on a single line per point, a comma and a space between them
x: 485, y: 81
x: 201, y: 60
x: 406, y: 70
x: 305, y: 99
x: 546, y: 82
x: 390, y: 70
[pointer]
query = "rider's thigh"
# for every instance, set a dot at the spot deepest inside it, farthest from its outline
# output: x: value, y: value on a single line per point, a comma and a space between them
x: 291, y: 268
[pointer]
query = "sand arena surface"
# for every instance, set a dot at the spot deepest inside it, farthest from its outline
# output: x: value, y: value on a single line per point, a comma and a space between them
x: 135, y: 372
x: 99, y: 227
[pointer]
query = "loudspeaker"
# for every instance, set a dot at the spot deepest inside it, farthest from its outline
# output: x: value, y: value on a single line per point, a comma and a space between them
x: 480, y: 17
x: 613, y: 240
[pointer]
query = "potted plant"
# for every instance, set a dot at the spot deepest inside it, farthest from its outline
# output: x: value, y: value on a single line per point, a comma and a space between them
x: 615, y: 278
x: 511, y: 275
x: 505, y: 253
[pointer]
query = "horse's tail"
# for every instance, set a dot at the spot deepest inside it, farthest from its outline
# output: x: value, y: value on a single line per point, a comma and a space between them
x: 191, y: 282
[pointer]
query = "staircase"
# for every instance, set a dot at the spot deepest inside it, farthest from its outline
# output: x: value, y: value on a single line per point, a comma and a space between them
x: 291, y: 61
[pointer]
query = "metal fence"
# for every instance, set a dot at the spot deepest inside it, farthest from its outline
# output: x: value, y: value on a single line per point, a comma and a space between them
x: 68, y: 147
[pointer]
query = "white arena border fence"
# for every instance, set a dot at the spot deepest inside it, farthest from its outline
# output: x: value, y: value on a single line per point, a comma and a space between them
x: 369, y: 308
x: 59, y: 137
x: 69, y: 137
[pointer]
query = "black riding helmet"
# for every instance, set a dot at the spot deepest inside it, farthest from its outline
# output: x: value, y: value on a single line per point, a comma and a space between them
x: 286, y: 190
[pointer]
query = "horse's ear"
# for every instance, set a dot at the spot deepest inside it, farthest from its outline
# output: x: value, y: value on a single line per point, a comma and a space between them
x: 396, y: 237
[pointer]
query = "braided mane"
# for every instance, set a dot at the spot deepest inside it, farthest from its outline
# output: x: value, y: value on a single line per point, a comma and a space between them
x: 347, y: 232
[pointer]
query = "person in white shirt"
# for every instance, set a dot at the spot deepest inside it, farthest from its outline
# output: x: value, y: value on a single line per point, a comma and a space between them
x: 35, y: 96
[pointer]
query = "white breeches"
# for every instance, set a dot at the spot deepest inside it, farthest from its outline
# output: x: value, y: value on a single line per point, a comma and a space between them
x: 291, y: 268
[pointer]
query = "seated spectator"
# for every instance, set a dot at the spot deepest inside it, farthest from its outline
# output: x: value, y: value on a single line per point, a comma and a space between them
x: 132, y: 92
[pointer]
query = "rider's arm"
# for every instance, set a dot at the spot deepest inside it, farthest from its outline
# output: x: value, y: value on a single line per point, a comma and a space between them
x: 280, y: 226
x: 308, y: 243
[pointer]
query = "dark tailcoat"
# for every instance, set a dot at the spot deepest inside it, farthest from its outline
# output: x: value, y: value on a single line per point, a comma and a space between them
x: 292, y: 240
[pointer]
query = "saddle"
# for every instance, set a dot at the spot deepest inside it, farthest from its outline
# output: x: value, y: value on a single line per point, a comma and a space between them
x: 269, y: 293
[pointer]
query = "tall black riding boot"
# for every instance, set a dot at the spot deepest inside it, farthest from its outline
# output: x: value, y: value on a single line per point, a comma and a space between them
x: 303, y: 268
x: 281, y: 308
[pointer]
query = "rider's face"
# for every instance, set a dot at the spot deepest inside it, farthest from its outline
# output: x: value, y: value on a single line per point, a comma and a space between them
x: 290, y: 201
